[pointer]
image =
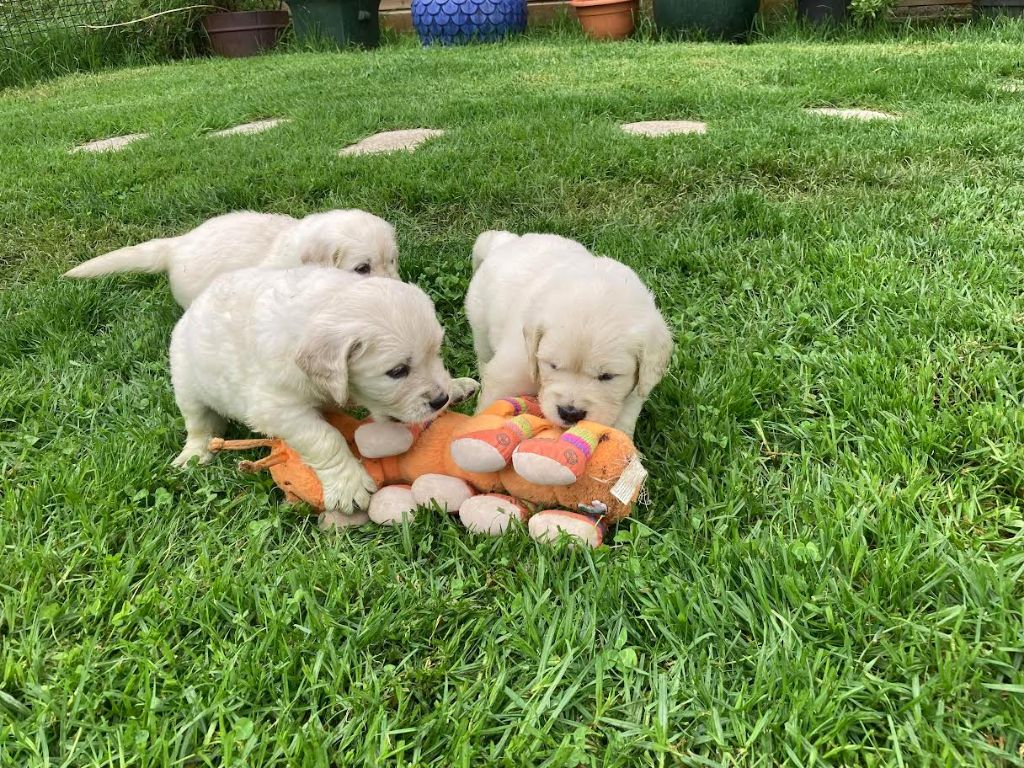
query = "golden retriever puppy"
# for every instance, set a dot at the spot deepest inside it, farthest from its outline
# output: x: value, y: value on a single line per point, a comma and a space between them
x: 273, y: 349
x: 355, y: 241
x: 581, y: 332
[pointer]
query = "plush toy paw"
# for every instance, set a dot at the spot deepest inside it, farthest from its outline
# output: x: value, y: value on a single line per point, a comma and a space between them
x: 392, y: 505
x: 335, y: 521
x: 549, y: 462
x: 449, y: 493
x: 488, y: 450
x: 548, y: 525
x: 491, y: 513
x: 379, y: 439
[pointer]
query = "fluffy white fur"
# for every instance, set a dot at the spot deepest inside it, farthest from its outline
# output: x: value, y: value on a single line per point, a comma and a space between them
x: 273, y: 348
x: 550, y: 318
x: 354, y: 241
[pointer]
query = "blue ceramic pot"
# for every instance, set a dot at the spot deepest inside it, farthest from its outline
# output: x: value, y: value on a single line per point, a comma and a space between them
x: 460, y: 21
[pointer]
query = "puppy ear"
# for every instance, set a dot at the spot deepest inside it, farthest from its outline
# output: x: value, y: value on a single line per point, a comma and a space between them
x: 325, y: 358
x: 532, y: 334
x: 303, y: 244
x: 315, y: 251
x: 654, y: 357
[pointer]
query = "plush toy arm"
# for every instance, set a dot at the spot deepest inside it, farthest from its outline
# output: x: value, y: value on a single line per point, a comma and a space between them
x: 220, y: 444
x: 275, y: 457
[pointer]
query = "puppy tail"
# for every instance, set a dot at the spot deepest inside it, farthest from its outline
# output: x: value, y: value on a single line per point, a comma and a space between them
x: 145, y: 257
x: 487, y: 242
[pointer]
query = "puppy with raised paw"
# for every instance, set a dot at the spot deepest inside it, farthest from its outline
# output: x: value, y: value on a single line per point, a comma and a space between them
x: 354, y: 241
x: 273, y: 349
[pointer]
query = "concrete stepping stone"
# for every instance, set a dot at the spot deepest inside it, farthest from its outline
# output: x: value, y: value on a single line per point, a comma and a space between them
x: 853, y: 114
x: 259, y: 126
x: 113, y: 144
x: 391, y: 141
x: 665, y: 127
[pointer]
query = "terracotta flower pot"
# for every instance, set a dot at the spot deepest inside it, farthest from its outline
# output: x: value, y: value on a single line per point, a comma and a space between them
x: 606, y: 19
x: 236, y: 34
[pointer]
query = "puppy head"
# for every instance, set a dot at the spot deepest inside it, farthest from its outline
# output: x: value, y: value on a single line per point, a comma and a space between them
x: 379, y: 348
x: 354, y: 241
x: 592, y: 349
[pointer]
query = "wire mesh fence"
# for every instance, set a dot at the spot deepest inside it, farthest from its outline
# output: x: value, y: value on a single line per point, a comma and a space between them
x: 39, y: 38
x: 21, y: 20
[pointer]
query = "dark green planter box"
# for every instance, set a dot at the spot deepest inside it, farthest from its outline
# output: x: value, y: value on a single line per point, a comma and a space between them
x: 721, y: 19
x: 346, y: 22
x: 1001, y: 7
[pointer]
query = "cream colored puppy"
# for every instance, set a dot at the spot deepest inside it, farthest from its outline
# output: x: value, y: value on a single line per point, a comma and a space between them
x: 354, y: 241
x: 274, y: 348
x: 550, y: 318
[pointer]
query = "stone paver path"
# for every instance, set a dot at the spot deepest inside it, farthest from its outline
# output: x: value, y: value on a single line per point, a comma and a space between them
x: 665, y: 127
x: 853, y: 114
x: 259, y: 126
x: 113, y: 144
x: 391, y: 141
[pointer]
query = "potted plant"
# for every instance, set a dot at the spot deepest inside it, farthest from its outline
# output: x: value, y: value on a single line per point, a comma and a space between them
x: 346, y: 22
x: 606, y: 19
x: 461, y: 21
x: 722, y: 19
x: 245, y: 27
x: 822, y: 11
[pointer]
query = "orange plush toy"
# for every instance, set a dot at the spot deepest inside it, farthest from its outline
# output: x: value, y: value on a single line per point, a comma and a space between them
x: 503, y: 464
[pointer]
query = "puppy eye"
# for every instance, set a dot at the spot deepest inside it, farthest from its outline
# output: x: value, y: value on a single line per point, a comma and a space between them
x: 363, y: 269
x: 553, y: 366
x: 399, y: 372
x: 606, y: 377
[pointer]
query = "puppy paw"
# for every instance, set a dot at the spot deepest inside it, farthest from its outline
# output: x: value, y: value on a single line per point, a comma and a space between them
x: 463, y: 389
x: 335, y: 521
x: 193, y: 450
x: 347, y: 489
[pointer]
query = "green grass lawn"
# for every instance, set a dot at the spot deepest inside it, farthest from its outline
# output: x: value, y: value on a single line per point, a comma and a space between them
x: 829, y: 571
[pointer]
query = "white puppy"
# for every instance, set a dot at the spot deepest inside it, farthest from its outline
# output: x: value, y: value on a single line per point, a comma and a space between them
x: 274, y: 348
x: 355, y: 241
x: 550, y: 318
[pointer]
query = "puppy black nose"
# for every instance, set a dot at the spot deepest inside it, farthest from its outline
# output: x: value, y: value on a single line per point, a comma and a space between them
x: 570, y: 414
x: 439, y: 402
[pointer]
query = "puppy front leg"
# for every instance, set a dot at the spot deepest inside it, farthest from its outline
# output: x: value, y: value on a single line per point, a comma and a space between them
x: 346, y: 485
x: 506, y: 375
x: 629, y: 414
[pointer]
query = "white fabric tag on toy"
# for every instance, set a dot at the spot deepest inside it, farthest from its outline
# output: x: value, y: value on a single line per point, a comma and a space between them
x: 630, y: 482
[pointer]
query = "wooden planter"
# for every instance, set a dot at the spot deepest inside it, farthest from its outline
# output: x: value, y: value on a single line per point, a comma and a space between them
x: 937, y: 10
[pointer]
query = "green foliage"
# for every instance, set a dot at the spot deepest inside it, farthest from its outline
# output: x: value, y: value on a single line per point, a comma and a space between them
x: 870, y: 10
